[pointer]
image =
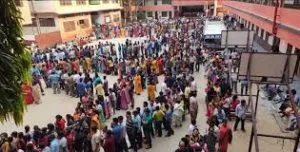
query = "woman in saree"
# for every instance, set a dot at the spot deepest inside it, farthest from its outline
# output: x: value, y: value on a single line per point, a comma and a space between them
x: 151, y: 91
x: 138, y: 84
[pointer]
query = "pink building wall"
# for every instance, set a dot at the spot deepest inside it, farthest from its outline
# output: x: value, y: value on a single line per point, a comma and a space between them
x: 262, y: 16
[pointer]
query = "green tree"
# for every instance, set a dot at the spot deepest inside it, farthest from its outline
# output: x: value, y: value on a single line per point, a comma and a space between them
x: 14, y: 63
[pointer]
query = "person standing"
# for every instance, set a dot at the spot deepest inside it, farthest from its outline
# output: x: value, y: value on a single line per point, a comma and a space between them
x: 54, y: 79
x: 211, y: 140
x: 193, y: 106
x: 109, y: 144
x: 151, y: 91
x: 130, y: 131
x: 81, y: 90
x: 225, y: 136
x: 105, y: 84
x: 138, y: 84
x: 240, y: 113
x: 137, y: 124
x: 125, y: 97
x: 147, y: 127
x: 158, y: 116
x: 123, y: 143
x: 168, y: 120
x: 244, y: 86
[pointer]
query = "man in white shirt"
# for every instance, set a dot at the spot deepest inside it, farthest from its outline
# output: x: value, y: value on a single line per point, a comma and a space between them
x: 193, y: 85
x: 95, y: 140
x: 240, y: 113
x: 164, y: 88
x: 192, y: 126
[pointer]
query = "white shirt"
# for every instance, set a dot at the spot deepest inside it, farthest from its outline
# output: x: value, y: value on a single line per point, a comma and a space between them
x: 193, y: 86
x: 96, y: 140
x: 61, y: 55
x: 240, y: 110
x: 191, y: 129
x: 227, y: 102
x: 63, y: 143
x: 164, y: 88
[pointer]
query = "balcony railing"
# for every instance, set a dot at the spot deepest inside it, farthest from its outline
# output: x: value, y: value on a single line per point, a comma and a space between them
x: 295, y: 4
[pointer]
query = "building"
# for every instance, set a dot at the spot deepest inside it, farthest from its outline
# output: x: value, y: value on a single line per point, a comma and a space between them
x: 173, y: 8
x: 260, y: 16
x: 65, y: 20
x: 23, y: 6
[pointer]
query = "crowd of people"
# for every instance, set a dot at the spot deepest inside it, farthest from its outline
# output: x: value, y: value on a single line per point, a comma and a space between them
x: 172, y: 50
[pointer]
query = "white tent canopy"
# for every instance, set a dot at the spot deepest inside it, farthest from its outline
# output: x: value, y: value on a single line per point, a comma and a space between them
x: 213, y: 29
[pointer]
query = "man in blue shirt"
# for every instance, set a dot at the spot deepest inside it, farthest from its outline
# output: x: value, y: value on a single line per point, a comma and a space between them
x: 117, y: 132
x: 240, y: 113
x: 137, y: 124
x: 81, y: 89
x: 54, y: 80
x: 54, y: 143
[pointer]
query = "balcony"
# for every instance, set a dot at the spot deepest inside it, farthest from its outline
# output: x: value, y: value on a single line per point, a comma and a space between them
x: 62, y: 7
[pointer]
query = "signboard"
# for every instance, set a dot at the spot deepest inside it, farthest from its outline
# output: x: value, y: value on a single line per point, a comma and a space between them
x: 237, y: 38
x: 267, y: 67
x: 212, y: 36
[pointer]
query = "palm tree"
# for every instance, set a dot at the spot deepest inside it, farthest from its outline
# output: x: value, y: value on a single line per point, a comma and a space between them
x: 14, y: 63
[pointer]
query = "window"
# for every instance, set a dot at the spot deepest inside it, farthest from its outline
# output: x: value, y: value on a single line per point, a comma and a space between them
x: 149, y: 14
x: 83, y: 23
x: 155, y: 2
x: 262, y: 31
x: 80, y: 2
x: 289, y: 48
x: 18, y: 2
x: 256, y: 30
x: 69, y: 26
x: 267, y: 36
x: 116, y: 18
x: 44, y: 22
x: 166, y: 1
x: 164, y: 14
x: 65, y: 2
x: 105, y: 1
x: 107, y: 19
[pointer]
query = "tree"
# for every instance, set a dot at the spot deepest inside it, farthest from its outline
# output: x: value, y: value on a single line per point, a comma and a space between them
x: 14, y: 63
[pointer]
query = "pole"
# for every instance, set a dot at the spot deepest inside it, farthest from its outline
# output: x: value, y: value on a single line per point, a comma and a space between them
x: 251, y: 140
x: 275, y: 26
x: 256, y: 102
x: 252, y: 130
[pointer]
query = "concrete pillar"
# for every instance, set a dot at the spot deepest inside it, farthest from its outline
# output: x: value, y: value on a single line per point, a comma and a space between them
x: 215, y: 7
x: 206, y: 10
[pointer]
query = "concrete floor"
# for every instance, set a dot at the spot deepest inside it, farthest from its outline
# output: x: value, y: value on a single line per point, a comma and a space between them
x: 61, y: 104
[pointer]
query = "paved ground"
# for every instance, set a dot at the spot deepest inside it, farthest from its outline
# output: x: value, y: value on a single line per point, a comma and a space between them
x: 61, y: 104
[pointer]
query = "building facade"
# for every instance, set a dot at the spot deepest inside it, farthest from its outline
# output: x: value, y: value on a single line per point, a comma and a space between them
x: 23, y: 6
x: 259, y: 16
x: 173, y: 8
x: 66, y: 20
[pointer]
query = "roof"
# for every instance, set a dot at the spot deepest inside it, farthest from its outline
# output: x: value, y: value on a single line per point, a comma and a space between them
x: 214, y: 27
